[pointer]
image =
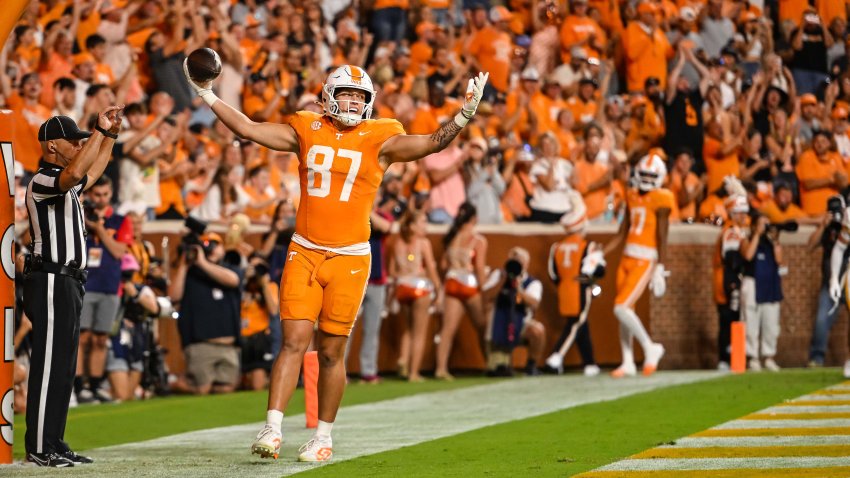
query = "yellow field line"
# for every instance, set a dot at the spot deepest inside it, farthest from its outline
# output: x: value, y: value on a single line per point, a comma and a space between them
x: 831, y: 392
x: 826, y: 472
x: 765, y: 432
x: 746, y: 451
x: 796, y: 416
x: 809, y: 403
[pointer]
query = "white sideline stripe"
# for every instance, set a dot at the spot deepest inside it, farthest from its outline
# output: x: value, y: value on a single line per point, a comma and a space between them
x: 807, y: 409
x: 724, y: 463
x: 820, y: 423
x: 822, y: 397
x: 368, y: 428
x: 702, y: 442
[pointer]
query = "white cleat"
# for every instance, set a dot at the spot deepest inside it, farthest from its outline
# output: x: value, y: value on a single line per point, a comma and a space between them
x: 267, y: 444
x: 754, y: 365
x: 591, y: 370
x: 722, y: 366
x: 317, y: 449
x: 771, y: 365
x: 624, y: 370
x: 556, y: 362
x: 847, y: 369
x: 653, y: 356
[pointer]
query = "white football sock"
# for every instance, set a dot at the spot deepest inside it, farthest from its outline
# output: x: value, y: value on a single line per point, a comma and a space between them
x: 626, y: 345
x: 274, y: 418
x: 628, y: 318
x: 324, y: 429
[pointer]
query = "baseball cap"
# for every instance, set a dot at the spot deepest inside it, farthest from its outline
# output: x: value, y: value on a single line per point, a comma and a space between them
x: 840, y: 112
x: 687, y: 14
x: 81, y: 58
x: 212, y: 237
x: 129, y: 263
x: 578, y: 52
x: 530, y: 73
x: 60, y: 127
x: 808, y: 99
x: 647, y: 7
x: 500, y: 14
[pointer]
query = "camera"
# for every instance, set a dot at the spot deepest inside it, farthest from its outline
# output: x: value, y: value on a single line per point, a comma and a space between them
x: 835, y: 207
x: 193, y: 238
x: 788, y: 226
x: 89, y: 211
x: 513, y: 269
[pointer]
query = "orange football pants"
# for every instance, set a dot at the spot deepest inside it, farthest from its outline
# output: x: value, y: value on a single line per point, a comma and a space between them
x: 325, y: 286
x: 633, y: 276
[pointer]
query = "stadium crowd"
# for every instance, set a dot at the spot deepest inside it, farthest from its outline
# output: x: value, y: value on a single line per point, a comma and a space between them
x: 578, y: 92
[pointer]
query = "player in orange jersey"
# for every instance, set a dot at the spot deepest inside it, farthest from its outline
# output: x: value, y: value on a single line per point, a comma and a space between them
x: 645, y: 231
x: 342, y: 158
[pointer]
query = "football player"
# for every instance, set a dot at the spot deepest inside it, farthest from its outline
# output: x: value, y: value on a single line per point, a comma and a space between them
x: 342, y: 155
x: 837, y: 284
x: 644, y: 229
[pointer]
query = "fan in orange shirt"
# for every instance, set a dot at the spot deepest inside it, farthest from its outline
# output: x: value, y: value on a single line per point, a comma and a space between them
x: 491, y: 46
x: 581, y: 30
x: 342, y: 158
x: 685, y: 186
x: 645, y: 232
x: 646, y: 49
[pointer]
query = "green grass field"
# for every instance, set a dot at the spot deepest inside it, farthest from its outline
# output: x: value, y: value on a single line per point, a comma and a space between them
x: 556, y: 444
x: 96, y: 426
x: 583, y: 438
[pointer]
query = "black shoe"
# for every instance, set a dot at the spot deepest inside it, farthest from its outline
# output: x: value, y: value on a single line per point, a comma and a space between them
x: 532, y: 371
x: 55, y: 460
x: 86, y: 396
x: 102, y: 397
x: 77, y: 459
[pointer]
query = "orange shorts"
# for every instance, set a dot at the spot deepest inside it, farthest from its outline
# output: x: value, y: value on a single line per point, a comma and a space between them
x: 461, y: 285
x: 409, y: 289
x: 633, y: 276
x: 325, y: 286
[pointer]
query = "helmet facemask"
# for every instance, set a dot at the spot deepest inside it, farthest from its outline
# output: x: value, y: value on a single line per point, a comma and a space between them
x: 339, y: 109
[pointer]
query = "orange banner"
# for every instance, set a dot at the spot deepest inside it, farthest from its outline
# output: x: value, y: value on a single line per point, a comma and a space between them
x: 13, y: 9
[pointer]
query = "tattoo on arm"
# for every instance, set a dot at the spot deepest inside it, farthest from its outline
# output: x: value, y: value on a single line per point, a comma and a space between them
x: 445, y: 134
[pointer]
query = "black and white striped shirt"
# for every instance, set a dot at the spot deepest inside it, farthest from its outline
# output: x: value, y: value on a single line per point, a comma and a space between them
x: 56, y: 218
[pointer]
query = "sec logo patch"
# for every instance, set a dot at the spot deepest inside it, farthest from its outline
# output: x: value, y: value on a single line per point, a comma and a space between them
x: 316, y: 125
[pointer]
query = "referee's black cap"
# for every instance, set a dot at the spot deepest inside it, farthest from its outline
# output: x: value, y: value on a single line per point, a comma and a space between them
x: 61, y: 127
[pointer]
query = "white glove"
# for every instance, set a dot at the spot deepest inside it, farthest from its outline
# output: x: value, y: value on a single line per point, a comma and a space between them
x: 834, y: 290
x: 658, y: 283
x: 591, y: 261
x: 474, y: 92
x: 204, y: 90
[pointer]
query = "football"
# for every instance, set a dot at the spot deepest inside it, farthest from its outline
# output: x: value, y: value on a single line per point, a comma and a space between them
x: 204, y: 65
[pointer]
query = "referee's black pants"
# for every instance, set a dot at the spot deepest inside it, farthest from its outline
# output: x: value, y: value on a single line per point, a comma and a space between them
x: 53, y: 303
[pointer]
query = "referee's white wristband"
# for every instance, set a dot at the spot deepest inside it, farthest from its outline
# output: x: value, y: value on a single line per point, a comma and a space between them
x: 208, y: 96
x: 461, y: 120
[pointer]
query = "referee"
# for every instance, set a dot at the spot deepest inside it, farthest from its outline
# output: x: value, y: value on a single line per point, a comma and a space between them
x: 54, y: 277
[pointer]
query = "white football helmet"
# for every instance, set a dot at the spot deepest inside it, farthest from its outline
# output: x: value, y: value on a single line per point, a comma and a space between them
x: 650, y: 172
x: 347, y: 76
x: 575, y: 219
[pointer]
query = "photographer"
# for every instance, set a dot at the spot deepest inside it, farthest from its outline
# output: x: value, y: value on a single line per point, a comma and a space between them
x: 125, y: 361
x: 108, y: 238
x: 518, y: 295
x: 826, y: 237
x: 761, y: 292
x: 210, y: 299
x: 259, y: 306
